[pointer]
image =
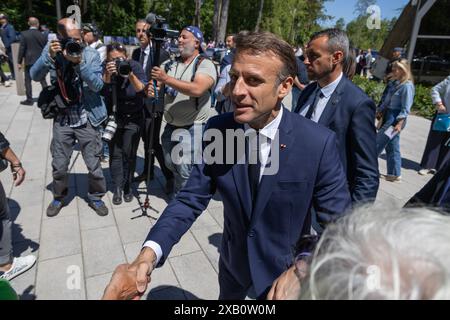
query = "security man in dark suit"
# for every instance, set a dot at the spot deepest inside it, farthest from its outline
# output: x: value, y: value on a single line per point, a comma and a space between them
x: 336, y: 103
x: 145, y: 56
x: 266, y: 202
x: 32, y: 42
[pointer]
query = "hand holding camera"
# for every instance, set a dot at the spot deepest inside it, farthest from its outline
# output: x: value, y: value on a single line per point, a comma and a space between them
x: 69, y: 47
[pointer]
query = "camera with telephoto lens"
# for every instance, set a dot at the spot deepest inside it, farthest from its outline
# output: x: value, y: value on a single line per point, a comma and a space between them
x: 123, y: 67
x: 72, y: 47
x: 110, y: 130
x: 159, y: 28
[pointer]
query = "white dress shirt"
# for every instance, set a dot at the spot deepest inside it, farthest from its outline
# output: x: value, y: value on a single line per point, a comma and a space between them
x: 327, y: 91
x: 267, y: 135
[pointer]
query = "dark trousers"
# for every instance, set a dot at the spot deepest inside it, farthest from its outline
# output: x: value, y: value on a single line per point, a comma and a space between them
x: 231, y: 289
x: 10, y: 62
x: 436, y: 153
x: 5, y: 230
x: 63, y: 142
x: 28, y: 87
x: 122, y: 154
x: 156, y: 146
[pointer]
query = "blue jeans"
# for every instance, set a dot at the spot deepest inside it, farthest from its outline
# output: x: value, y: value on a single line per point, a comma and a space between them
x: 181, y: 160
x: 393, y: 155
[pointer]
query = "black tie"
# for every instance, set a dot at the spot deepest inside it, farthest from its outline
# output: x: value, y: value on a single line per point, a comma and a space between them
x: 313, y: 106
x: 254, y: 170
x: 142, y: 58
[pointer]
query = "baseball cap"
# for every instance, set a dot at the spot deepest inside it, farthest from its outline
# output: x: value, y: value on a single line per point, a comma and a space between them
x: 3, y: 16
x: 197, y: 34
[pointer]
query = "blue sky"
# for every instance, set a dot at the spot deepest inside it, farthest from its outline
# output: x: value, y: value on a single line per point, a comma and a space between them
x: 346, y: 8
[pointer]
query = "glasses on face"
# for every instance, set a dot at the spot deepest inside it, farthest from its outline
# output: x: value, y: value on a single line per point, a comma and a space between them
x: 115, y: 46
x: 141, y: 30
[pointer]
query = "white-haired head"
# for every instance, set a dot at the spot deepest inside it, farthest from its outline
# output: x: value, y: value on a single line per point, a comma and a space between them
x: 383, y: 253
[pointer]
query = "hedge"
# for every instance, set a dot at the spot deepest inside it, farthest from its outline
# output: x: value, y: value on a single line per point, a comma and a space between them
x: 423, y: 105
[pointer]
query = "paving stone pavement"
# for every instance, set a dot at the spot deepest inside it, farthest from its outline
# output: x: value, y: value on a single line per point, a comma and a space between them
x: 77, y: 250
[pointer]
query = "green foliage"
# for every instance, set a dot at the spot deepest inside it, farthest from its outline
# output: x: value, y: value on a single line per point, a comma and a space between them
x: 362, y: 37
x: 423, y: 105
x: 373, y: 89
x: 294, y: 20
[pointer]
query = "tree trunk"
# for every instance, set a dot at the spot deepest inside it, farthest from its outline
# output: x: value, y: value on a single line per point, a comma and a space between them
x: 85, y: 6
x: 260, y: 14
x: 198, y: 5
x: 216, y: 19
x: 223, y: 20
x: 30, y: 7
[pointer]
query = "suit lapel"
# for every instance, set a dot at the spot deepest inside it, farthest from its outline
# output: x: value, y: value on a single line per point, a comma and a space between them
x: 304, y: 97
x: 330, y: 109
x: 269, y: 181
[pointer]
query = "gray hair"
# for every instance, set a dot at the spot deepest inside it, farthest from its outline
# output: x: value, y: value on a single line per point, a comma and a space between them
x: 337, y: 40
x: 383, y: 253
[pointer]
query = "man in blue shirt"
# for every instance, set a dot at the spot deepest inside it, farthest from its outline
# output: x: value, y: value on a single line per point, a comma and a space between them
x: 8, y: 37
x: 84, y: 111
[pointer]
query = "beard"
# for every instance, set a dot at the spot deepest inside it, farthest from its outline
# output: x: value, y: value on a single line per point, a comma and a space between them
x: 187, y: 51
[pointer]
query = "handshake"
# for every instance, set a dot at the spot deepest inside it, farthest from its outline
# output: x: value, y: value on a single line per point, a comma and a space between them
x: 130, y: 281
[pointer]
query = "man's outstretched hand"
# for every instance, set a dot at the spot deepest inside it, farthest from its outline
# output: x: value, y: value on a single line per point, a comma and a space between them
x: 130, y: 281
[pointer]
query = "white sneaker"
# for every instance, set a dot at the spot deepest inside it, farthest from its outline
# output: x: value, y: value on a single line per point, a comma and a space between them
x: 7, y: 83
x: 423, y: 172
x: 19, y: 266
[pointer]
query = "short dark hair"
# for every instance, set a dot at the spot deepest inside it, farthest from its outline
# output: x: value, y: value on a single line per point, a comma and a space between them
x: 265, y: 42
x: 116, y: 46
x: 337, y: 41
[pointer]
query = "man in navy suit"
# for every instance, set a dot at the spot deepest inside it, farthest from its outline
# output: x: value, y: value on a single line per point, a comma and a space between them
x: 336, y: 103
x: 265, y: 211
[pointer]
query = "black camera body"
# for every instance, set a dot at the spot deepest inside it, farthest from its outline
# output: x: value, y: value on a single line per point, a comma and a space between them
x: 72, y: 47
x: 160, y: 29
x: 123, y: 67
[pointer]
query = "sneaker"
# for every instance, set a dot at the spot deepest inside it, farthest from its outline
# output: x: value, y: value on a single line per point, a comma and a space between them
x: 54, y: 208
x: 104, y: 159
x: 8, y: 83
x: 393, y: 178
x: 99, y: 207
x: 19, y: 266
x: 423, y: 172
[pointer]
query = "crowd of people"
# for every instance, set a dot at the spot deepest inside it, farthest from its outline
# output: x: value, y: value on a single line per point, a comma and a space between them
x: 294, y: 105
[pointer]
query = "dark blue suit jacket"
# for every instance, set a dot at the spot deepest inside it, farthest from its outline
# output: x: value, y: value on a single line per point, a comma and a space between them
x: 258, y: 241
x: 350, y: 113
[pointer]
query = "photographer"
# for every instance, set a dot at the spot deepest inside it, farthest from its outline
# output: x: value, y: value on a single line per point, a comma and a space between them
x: 188, y: 84
x: 127, y: 78
x: 145, y: 55
x: 10, y: 267
x: 76, y: 72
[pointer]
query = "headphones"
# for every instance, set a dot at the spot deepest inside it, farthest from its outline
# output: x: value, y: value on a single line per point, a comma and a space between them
x: 91, y: 27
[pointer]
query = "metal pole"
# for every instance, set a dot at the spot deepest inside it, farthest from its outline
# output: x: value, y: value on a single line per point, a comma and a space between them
x: 421, y: 12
